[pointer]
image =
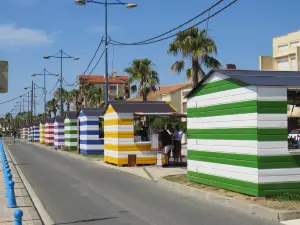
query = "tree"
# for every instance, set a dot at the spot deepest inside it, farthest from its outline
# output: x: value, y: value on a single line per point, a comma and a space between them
x: 143, y: 77
x: 52, y: 106
x: 8, y: 119
x: 96, y: 97
x: 194, y: 44
x: 87, y: 91
x: 67, y: 98
x: 76, y: 98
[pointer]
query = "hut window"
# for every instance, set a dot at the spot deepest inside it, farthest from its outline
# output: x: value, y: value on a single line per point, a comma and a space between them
x: 101, y: 127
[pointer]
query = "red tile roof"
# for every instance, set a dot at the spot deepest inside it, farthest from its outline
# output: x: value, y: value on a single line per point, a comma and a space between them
x: 100, y: 79
x: 163, y: 90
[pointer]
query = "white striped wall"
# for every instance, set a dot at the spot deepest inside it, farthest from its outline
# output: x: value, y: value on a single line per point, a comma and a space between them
x: 119, y: 128
x: 224, y: 97
x: 124, y: 154
x: 249, y: 120
x: 245, y: 173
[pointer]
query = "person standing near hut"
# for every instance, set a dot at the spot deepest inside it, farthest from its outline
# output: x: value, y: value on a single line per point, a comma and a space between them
x: 177, y: 137
x: 167, y: 144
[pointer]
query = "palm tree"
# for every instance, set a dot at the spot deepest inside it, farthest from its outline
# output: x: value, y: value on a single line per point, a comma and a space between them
x: 52, y: 106
x: 96, y: 97
x: 144, y: 77
x: 86, y: 91
x: 2, y: 123
x: 194, y: 44
x: 67, y: 98
x: 8, y: 118
x: 76, y: 98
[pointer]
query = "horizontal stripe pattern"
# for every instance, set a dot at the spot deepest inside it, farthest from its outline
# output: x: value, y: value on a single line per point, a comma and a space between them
x: 250, y: 188
x: 70, y: 137
x: 90, y: 142
x: 128, y: 148
x: 252, y: 106
x: 218, y: 86
x: 244, y: 160
x: 248, y: 120
x: 260, y: 134
x: 59, y: 135
x: 124, y: 161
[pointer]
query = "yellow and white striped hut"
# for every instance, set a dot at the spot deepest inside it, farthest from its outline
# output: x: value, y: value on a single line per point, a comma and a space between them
x: 119, y: 138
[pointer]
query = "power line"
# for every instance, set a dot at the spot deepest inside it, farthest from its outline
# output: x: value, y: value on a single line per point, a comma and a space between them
x: 97, y: 63
x: 90, y: 63
x: 170, y: 36
x: 49, y: 92
x: 14, y: 98
x: 93, y: 56
x: 176, y: 28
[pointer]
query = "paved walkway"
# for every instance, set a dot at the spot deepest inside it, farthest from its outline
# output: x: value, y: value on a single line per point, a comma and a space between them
x: 153, y: 173
x: 30, y: 215
x: 291, y: 222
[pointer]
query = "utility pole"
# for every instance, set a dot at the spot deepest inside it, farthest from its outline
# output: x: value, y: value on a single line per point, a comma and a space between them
x: 28, y: 108
x: 34, y: 99
x: 31, y: 101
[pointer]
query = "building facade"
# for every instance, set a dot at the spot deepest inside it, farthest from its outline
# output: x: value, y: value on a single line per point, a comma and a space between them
x: 172, y: 94
x: 117, y: 85
x: 285, y: 57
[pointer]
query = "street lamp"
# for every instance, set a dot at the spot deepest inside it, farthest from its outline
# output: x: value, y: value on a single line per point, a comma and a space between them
x: 61, y: 55
x: 106, y: 3
x: 44, y: 73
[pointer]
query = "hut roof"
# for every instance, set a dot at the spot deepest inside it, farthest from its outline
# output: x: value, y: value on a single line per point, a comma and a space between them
x: 92, y: 112
x: 142, y: 107
x: 59, y: 119
x: 71, y: 115
x: 256, y: 77
x: 50, y: 120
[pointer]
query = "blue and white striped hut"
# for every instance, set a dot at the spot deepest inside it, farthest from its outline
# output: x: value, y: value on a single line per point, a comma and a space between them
x: 30, y: 133
x: 90, y: 142
x: 59, y: 132
x: 36, y: 132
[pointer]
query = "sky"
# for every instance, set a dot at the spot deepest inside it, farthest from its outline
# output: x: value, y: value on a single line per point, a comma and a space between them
x: 30, y: 29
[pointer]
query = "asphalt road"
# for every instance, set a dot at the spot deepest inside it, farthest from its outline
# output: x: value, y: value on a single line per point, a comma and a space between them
x: 78, y: 192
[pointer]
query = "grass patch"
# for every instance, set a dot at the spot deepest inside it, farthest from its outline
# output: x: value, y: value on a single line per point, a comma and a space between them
x: 280, y: 202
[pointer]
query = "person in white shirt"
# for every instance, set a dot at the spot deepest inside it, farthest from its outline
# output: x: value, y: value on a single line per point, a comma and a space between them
x: 177, y: 137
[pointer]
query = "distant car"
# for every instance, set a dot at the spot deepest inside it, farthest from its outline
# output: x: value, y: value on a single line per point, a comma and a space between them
x: 295, y: 134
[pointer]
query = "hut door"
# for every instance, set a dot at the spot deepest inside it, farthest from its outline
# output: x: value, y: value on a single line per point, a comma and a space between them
x: 131, y: 160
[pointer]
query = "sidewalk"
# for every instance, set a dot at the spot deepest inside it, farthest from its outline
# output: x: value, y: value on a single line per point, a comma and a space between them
x: 153, y: 173
x: 24, y: 202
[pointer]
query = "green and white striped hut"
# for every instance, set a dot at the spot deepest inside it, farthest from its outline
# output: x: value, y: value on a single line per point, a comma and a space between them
x: 237, y: 132
x: 70, y: 128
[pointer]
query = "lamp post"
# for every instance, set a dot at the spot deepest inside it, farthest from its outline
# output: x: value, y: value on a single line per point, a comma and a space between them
x: 106, y: 4
x: 61, y: 55
x: 45, y: 73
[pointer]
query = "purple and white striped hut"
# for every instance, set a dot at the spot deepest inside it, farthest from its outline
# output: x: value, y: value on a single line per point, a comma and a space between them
x: 59, y: 133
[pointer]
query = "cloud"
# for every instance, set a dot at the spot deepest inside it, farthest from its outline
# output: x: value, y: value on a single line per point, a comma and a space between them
x: 13, y: 36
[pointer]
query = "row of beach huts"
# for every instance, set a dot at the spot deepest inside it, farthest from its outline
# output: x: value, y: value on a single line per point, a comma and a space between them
x: 102, y: 131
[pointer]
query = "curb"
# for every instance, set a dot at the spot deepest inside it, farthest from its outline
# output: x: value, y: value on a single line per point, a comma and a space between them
x: 46, y: 219
x: 237, y: 204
